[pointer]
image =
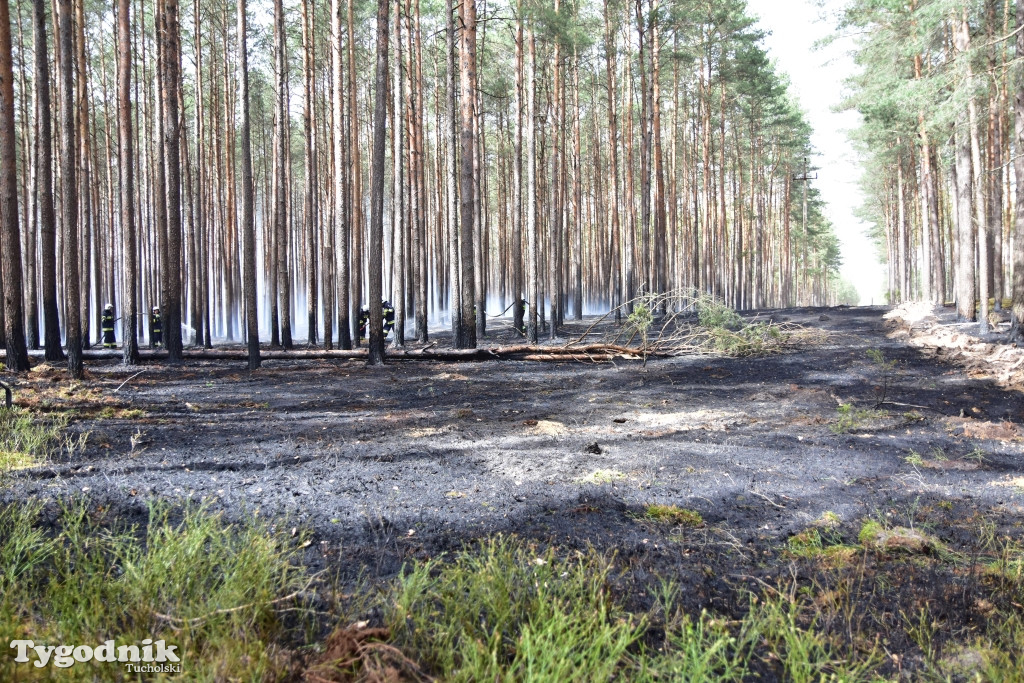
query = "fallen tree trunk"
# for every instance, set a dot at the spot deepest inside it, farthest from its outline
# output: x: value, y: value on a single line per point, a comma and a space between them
x: 590, y: 353
x: 534, y: 353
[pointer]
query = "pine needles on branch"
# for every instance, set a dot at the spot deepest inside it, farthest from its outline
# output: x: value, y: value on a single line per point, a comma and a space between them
x: 686, y: 322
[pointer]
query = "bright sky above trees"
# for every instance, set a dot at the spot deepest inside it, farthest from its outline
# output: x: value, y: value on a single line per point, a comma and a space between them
x: 817, y: 80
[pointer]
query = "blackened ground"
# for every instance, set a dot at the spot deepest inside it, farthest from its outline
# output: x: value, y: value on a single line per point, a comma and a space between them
x: 415, y: 458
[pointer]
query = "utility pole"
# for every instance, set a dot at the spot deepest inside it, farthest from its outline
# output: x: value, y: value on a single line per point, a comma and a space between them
x: 804, y: 178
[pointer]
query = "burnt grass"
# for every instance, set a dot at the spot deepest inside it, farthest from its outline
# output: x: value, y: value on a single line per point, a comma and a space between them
x: 399, y: 463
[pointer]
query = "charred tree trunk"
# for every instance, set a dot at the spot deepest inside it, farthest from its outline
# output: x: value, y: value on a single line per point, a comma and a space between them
x: 400, y: 159
x: 248, y: 223
x: 966, y: 282
x: 69, y: 194
x: 420, y: 249
x: 171, y: 308
x: 352, y: 236
x: 311, y: 184
x: 10, y: 235
x: 531, y: 190
x: 466, y: 338
x: 516, y: 263
x: 341, y: 221
x: 380, y: 113
x: 44, y: 188
x: 616, y: 283
x: 451, y: 177
x: 966, y: 291
x: 1018, y: 166
x: 978, y: 182
x: 280, y: 179
x: 126, y: 169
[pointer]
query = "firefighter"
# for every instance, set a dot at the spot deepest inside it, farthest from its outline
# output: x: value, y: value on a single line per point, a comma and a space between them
x: 387, y: 312
x: 364, y: 322
x: 389, y: 317
x: 158, y: 328
x: 108, y: 327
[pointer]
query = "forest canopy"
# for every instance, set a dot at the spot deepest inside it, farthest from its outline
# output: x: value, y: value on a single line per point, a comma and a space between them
x: 941, y: 92
x: 452, y: 159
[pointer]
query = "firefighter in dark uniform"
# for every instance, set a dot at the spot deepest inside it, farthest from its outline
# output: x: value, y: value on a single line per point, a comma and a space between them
x: 387, y: 312
x: 389, y: 317
x: 108, y: 327
x: 158, y: 327
x: 364, y: 322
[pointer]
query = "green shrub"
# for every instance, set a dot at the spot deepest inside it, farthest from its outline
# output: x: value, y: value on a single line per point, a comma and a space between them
x: 501, y: 612
x: 27, y: 440
x: 208, y: 587
x: 675, y: 515
x: 712, y: 313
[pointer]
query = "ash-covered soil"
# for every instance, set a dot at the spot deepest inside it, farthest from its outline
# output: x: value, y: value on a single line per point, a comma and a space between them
x: 408, y: 460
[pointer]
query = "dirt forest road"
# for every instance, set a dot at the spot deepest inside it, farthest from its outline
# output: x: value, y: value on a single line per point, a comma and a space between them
x: 418, y: 457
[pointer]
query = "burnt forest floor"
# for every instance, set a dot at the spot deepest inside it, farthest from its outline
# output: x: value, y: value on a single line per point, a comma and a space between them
x: 902, y: 465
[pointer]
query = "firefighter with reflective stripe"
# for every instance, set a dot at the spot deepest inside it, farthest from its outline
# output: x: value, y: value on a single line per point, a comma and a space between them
x: 158, y: 327
x: 364, y: 322
x: 389, y: 317
x: 108, y: 327
x: 388, y: 314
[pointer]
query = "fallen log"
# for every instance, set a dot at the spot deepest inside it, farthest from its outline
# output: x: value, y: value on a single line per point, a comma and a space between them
x: 534, y: 353
x: 591, y: 353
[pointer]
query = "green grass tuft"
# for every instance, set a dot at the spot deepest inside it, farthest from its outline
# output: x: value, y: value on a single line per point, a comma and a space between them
x: 199, y: 583
x: 27, y: 440
x: 673, y: 514
x: 869, y: 532
x: 851, y: 418
x: 503, y: 612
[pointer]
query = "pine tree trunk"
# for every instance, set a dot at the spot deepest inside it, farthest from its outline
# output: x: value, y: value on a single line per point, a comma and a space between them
x: 645, y: 272
x: 280, y: 179
x: 341, y: 221
x: 130, y: 305
x: 966, y: 290
x: 466, y: 337
x: 376, y: 242
x: 929, y: 223
x: 158, y: 186
x: 617, y: 285
x: 248, y: 224
x: 994, y: 157
x: 420, y: 249
x: 44, y: 188
x: 1018, y: 167
x: 69, y: 194
x: 202, y: 305
x: 902, y: 263
x: 85, y: 186
x: 171, y: 309
x: 451, y: 177
x: 554, y: 205
x: 311, y: 185
x: 516, y: 261
x: 658, y: 279
x: 10, y: 235
x: 31, y: 214
x: 480, y: 230
x: 978, y: 176
x: 352, y: 237
x: 400, y: 157
x: 533, y: 273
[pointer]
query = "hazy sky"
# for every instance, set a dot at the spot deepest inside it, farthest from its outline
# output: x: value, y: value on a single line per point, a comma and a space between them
x: 817, y: 81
